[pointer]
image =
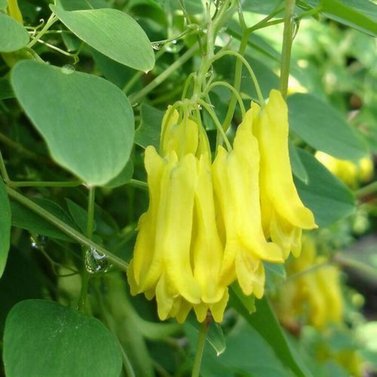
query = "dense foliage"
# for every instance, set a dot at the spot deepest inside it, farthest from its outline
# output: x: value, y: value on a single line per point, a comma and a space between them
x: 155, y: 220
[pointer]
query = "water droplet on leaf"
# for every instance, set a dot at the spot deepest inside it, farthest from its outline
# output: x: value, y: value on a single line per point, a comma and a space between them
x: 68, y: 69
x: 95, y: 261
x: 156, y: 45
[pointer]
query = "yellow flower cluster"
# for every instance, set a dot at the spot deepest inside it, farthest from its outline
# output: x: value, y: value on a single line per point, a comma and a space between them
x: 209, y: 224
x: 312, y: 291
x: 349, y: 172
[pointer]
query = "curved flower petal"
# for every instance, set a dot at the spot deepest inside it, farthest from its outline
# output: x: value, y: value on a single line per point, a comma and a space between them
x: 180, y: 136
x: 276, y: 174
x: 236, y: 186
x: 145, y: 261
x: 174, y: 225
x: 207, y: 250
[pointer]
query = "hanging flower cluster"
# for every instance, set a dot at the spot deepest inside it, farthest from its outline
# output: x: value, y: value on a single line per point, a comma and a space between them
x: 209, y: 224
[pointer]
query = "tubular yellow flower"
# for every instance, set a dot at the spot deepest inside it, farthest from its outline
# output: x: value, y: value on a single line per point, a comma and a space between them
x: 178, y: 252
x: 284, y: 215
x: 236, y: 186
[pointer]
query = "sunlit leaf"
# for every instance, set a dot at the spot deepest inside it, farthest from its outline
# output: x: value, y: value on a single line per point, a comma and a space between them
x: 322, y: 127
x: 111, y: 32
x: 86, y: 121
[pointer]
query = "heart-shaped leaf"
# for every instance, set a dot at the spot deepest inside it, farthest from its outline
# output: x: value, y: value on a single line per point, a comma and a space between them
x: 86, y: 121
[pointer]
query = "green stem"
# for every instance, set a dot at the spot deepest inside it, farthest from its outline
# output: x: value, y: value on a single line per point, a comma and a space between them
x: 18, y: 147
x: 85, y: 277
x: 134, y: 98
x: 3, y: 169
x: 138, y: 184
x: 45, y: 183
x: 287, y: 46
x: 66, y: 229
x: 91, y: 205
x: 127, y: 364
x: 217, y: 123
x: 235, y: 93
x: 238, y: 67
x: 249, y: 69
x: 200, y: 349
x: 52, y: 19
x: 237, y: 83
x: 367, y: 190
x: 135, y: 78
x: 308, y: 270
x: 363, y: 269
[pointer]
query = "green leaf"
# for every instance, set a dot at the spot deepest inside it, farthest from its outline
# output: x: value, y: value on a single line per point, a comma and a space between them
x: 247, y: 354
x: 5, y: 224
x: 264, y: 321
x: 148, y: 133
x: 113, y: 71
x: 86, y: 121
x: 13, y: 36
x: 72, y: 344
x: 83, y: 4
x: 298, y: 168
x: 261, y: 6
x: 248, y: 302
x: 328, y: 198
x: 322, y: 127
x: 3, y: 4
x: 79, y: 215
x: 25, y: 218
x: 348, y: 14
x: 124, y: 176
x: 111, y: 32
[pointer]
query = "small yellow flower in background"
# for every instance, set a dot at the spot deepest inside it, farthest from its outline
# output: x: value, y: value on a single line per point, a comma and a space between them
x: 312, y: 292
x: 284, y: 215
x: 349, y: 172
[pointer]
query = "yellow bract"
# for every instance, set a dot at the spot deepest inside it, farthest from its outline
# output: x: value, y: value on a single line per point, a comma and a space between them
x: 210, y: 224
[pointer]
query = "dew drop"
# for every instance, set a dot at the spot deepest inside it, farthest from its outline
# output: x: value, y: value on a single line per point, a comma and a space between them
x: 156, y: 45
x: 96, y: 262
x: 174, y: 46
x: 37, y: 241
x: 68, y: 69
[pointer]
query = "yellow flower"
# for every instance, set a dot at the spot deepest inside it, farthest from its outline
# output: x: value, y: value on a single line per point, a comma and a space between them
x: 349, y: 172
x: 208, y: 225
x: 312, y: 291
x: 178, y: 252
x: 236, y: 185
x: 283, y: 213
